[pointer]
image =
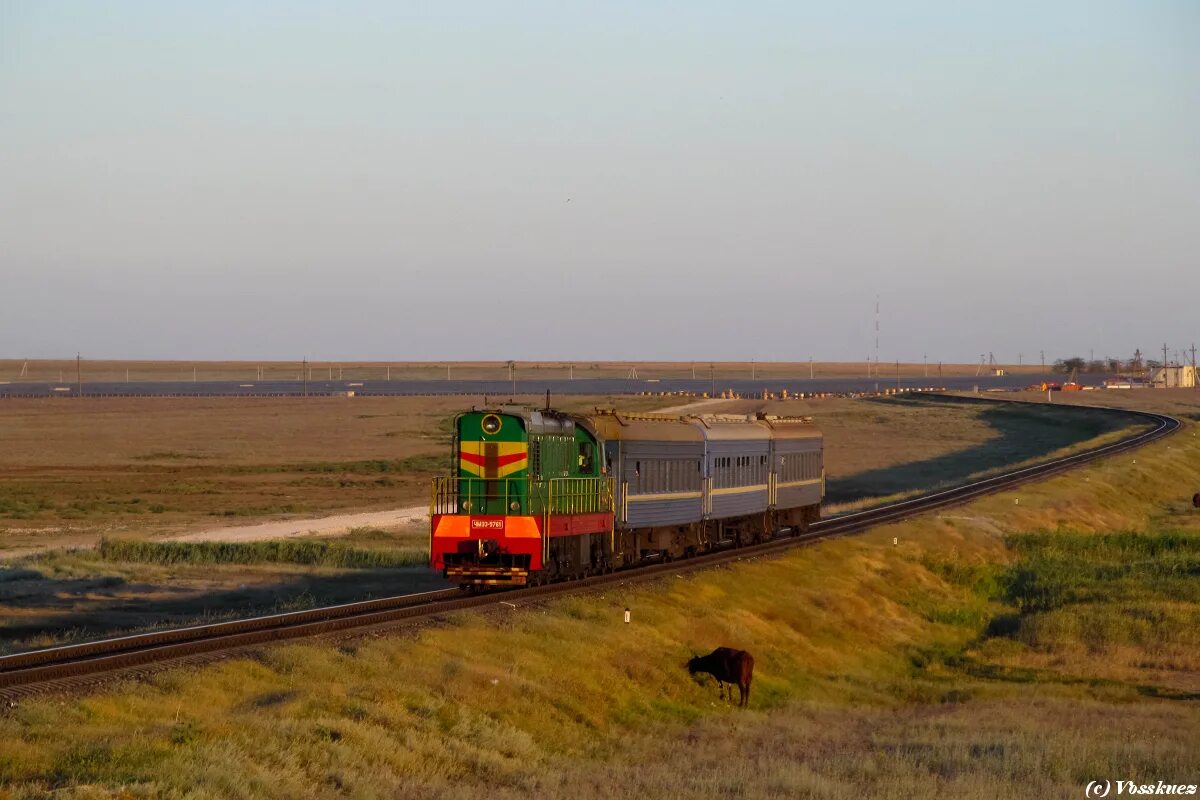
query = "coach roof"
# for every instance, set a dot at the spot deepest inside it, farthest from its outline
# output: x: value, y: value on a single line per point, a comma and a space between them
x: 613, y: 426
x: 731, y: 427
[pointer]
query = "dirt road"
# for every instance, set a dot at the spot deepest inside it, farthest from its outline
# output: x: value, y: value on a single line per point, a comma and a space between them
x: 324, y: 526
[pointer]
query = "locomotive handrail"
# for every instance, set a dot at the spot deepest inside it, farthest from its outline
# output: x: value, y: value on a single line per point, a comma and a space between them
x: 453, y: 494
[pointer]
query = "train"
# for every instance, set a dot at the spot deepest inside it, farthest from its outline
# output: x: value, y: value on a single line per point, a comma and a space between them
x: 540, y: 495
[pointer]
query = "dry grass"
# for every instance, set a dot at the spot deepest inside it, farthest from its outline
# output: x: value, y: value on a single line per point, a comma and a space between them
x: 878, y: 674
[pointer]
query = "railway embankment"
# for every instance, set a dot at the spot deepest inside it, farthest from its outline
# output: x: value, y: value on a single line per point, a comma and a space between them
x: 1026, y: 639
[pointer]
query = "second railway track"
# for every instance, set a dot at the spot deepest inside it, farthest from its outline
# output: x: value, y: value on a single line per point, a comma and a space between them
x: 75, y: 666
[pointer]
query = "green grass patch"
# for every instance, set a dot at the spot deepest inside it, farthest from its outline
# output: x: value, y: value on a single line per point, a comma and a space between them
x: 289, y: 551
x: 425, y: 463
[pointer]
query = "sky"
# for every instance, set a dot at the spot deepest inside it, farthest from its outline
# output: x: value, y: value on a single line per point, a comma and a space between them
x: 618, y: 180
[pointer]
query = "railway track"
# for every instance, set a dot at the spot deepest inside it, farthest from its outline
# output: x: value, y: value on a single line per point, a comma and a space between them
x: 79, y: 666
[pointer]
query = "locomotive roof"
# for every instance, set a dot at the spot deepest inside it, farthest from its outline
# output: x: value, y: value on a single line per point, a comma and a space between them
x: 536, y: 421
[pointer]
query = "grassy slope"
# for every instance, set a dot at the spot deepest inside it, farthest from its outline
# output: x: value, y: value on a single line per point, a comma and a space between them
x: 875, y: 673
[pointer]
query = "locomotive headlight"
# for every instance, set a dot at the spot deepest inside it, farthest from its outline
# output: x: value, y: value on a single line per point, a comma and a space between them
x: 514, y: 505
x: 491, y: 424
x: 466, y: 505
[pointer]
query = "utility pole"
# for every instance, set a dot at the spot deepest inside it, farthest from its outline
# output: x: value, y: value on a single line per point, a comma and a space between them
x: 897, y: 375
x: 389, y: 372
x: 304, y: 374
x: 1043, y: 359
x: 1194, y: 383
x: 79, y: 373
x: 925, y: 361
x: 752, y: 370
x: 712, y: 375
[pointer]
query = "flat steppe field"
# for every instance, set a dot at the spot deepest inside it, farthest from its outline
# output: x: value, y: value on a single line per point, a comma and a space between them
x: 72, y: 471
x: 1021, y: 645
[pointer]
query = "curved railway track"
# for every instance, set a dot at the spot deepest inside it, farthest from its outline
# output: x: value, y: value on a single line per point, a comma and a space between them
x: 79, y: 666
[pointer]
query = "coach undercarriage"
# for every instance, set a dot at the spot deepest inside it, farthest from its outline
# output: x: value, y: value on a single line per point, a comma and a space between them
x: 684, y: 541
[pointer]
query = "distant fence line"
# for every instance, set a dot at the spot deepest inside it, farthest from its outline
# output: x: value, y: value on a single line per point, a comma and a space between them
x: 774, y: 395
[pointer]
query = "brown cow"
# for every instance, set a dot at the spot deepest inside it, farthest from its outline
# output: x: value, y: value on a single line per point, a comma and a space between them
x: 735, y: 667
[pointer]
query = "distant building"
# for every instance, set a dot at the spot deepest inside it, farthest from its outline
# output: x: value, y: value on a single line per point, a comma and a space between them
x: 1173, y: 377
x: 1126, y: 382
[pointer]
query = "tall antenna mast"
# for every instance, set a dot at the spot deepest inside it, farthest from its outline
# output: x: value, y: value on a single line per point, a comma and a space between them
x: 876, y: 335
